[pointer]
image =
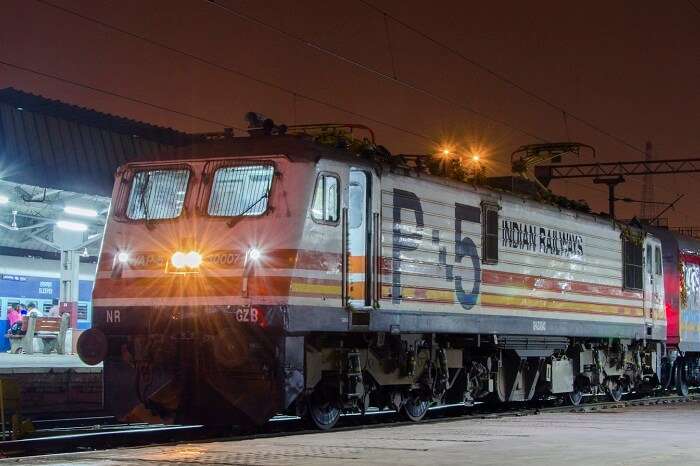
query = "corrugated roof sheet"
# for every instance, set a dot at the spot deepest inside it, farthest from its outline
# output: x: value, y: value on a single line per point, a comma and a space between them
x: 49, y: 143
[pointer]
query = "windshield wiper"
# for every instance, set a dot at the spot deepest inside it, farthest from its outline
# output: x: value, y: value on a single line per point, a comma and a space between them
x: 144, y: 204
x: 237, y: 218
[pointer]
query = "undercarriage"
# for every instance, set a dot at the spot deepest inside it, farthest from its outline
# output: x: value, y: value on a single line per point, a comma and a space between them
x: 216, y: 370
x: 409, y: 373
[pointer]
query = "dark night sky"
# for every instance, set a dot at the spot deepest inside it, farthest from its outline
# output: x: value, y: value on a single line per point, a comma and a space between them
x: 632, y: 68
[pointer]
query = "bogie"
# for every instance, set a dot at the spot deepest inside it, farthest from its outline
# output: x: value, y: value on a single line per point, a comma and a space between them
x: 408, y: 373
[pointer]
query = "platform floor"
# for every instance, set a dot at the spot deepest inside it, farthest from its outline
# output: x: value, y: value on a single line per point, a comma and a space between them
x: 21, y: 363
x: 648, y: 435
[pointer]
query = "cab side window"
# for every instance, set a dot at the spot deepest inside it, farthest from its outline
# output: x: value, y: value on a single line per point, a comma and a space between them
x: 489, y: 240
x: 633, y: 265
x: 326, y: 204
x: 658, y: 270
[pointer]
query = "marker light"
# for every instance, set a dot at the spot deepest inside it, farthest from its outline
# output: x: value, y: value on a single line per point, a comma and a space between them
x: 4, y: 199
x: 254, y: 254
x: 123, y: 257
x: 73, y: 226
x: 191, y: 259
x: 81, y: 211
x: 475, y: 157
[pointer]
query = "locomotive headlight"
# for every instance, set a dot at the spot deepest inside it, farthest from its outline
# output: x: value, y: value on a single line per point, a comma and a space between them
x: 123, y: 257
x: 191, y: 259
x: 254, y: 254
x: 178, y: 260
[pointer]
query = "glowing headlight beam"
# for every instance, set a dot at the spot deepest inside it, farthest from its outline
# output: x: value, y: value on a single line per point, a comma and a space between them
x: 254, y: 254
x: 181, y: 260
x: 193, y: 259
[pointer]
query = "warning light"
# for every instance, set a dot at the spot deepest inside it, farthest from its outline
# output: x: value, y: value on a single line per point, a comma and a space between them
x: 445, y: 151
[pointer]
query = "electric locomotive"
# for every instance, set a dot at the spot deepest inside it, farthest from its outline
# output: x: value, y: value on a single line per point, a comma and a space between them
x: 312, y: 274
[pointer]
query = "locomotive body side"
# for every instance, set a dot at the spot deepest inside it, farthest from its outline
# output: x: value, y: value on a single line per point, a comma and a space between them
x: 556, y: 272
x: 500, y: 295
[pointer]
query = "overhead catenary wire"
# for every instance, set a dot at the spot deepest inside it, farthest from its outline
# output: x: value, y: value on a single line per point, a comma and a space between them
x: 378, y: 73
x: 501, y: 77
x: 348, y: 60
x: 239, y: 73
x: 509, y: 81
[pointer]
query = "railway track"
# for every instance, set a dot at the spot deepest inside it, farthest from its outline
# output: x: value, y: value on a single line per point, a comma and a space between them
x: 103, y: 432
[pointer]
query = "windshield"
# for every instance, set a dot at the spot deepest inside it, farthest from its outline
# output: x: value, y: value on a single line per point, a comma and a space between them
x: 157, y: 194
x: 240, y: 190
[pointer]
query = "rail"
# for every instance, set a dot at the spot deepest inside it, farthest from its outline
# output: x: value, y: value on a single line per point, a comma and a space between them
x: 80, y: 434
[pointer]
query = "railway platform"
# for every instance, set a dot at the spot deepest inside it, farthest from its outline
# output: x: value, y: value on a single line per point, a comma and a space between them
x: 53, y: 383
x: 640, y: 435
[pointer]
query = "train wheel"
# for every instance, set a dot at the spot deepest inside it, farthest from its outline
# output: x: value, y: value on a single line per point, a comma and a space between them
x: 666, y: 374
x: 614, y: 388
x: 415, y: 408
x: 682, y: 378
x: 576, y: 397
x: 323, y: 412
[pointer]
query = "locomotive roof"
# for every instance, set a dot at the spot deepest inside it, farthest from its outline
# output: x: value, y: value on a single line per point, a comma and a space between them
x: 301, y: 148
x: 296, y: 148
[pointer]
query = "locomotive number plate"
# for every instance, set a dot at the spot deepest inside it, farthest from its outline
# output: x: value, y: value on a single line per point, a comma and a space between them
x: 539, y: 326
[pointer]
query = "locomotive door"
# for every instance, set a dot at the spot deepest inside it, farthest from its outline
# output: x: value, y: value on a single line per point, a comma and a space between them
x: 653, y: 280
x: 359, y: 239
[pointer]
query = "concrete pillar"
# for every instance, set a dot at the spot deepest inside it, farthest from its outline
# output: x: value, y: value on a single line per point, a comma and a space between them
x: 68, y: 296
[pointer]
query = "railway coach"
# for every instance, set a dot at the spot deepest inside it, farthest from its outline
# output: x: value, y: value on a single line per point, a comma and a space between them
x: 242, y: 277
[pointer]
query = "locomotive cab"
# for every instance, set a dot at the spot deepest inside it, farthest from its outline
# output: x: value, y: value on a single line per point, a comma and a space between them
x: 193, y: 285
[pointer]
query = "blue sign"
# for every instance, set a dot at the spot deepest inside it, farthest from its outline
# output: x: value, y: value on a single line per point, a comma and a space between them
x: 19, y: 286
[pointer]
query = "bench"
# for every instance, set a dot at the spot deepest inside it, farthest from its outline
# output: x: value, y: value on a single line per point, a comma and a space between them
x: 50, y: 330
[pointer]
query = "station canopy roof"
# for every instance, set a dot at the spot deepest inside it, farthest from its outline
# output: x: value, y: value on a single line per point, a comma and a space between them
x: 52, y: 144
x: 31, y: 215
x: 57, y: 165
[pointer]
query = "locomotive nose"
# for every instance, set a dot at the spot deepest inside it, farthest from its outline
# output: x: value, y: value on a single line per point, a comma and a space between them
x: 92, y: 346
